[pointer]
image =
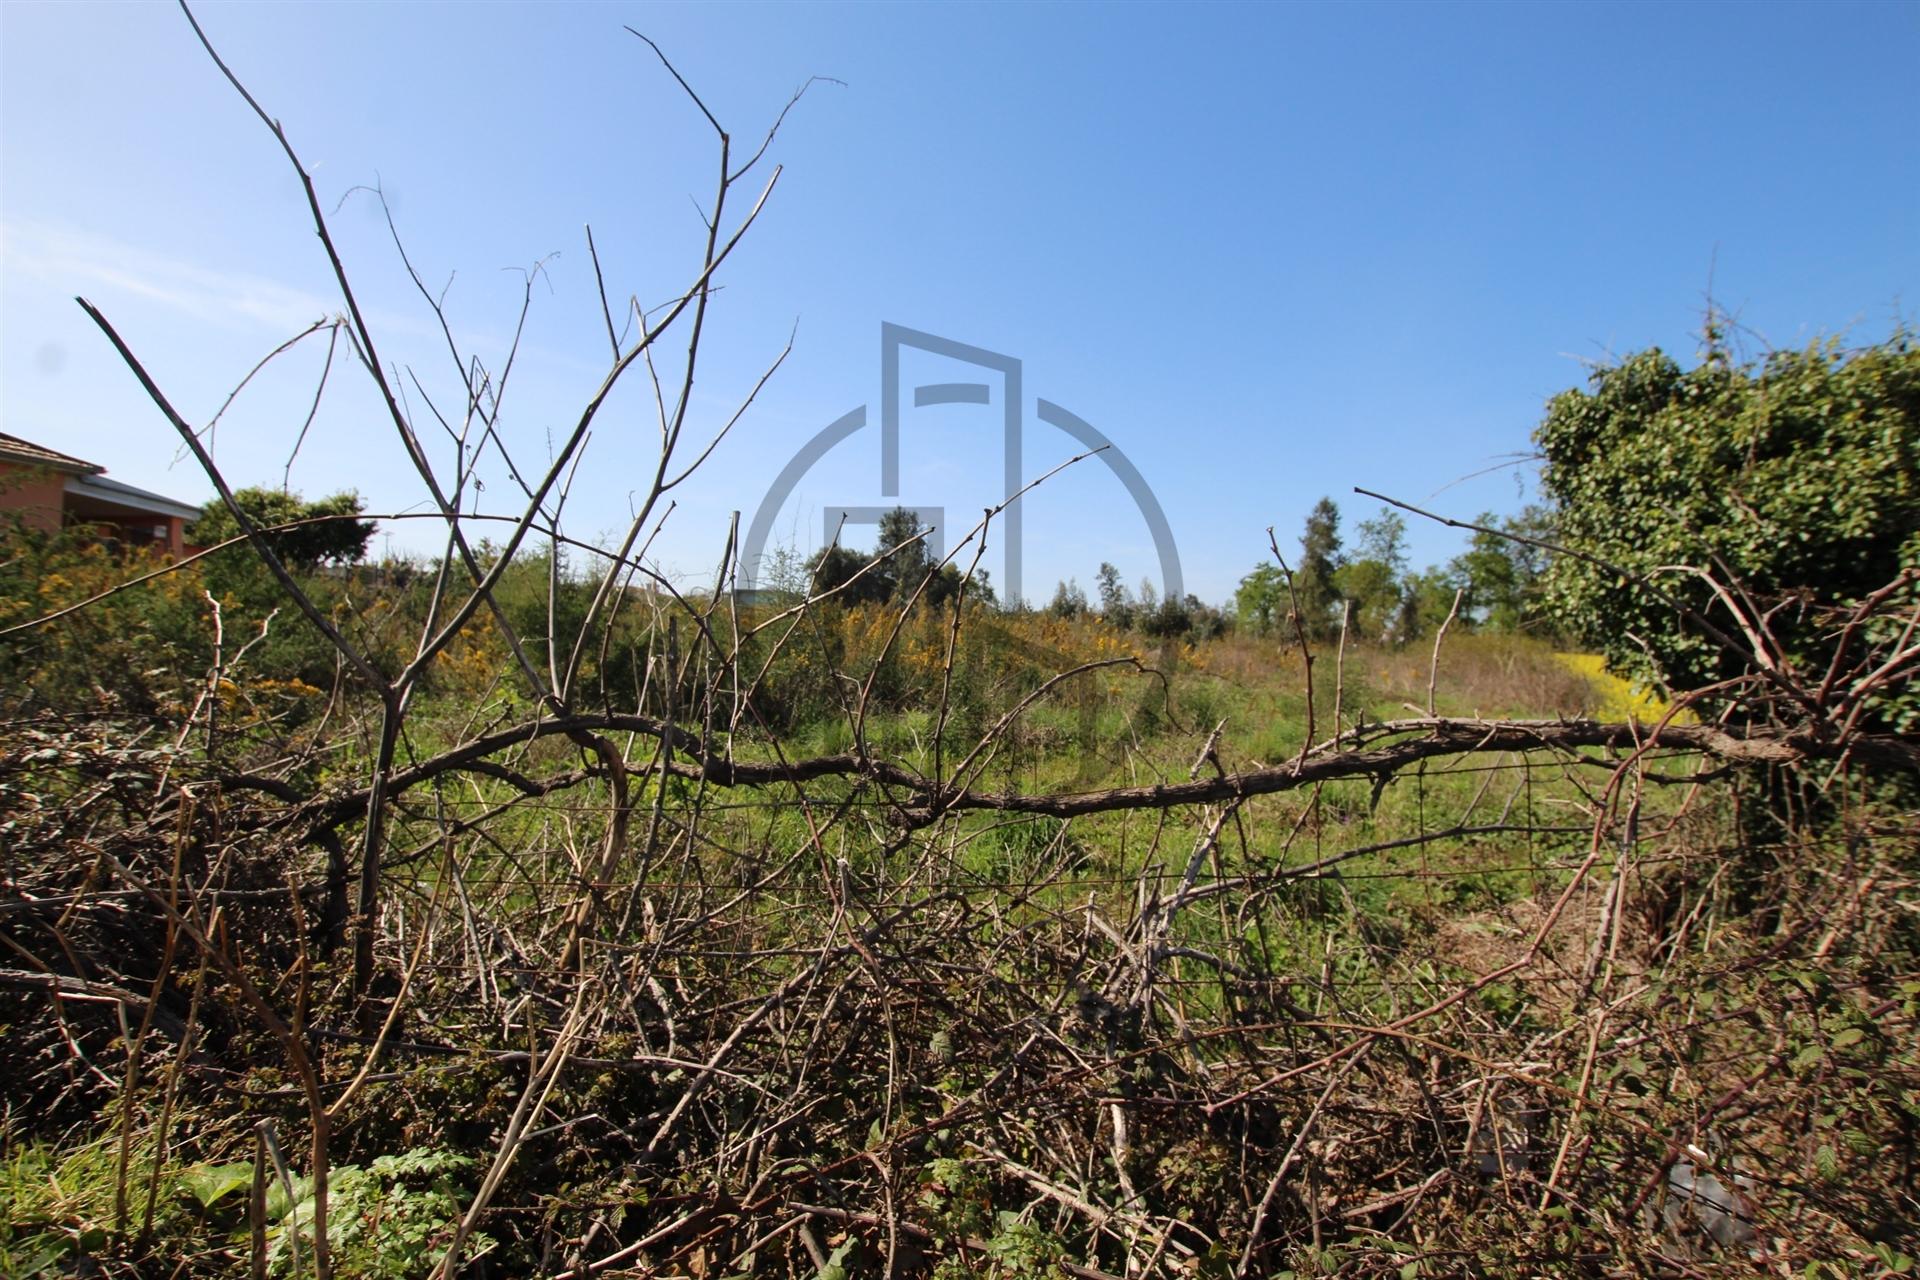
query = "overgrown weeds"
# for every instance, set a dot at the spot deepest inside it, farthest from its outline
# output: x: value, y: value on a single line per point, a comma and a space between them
x: 1471, y: 1019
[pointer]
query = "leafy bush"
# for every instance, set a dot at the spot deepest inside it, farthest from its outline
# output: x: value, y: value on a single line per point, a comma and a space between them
x: 140, y: 649
x: 328, y: 531
x: 1797, y: 481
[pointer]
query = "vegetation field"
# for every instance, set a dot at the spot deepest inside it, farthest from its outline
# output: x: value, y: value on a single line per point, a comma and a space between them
x: 903, y: 960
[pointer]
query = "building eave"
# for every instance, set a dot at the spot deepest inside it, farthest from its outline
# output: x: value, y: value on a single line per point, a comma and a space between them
x: 139, y: 501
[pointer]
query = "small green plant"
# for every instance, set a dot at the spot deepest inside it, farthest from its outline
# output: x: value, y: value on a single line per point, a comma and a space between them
x: 1022, y: 1251
x: 213, y: 1185
x: 388, y: 1221
x: 956, y: 1196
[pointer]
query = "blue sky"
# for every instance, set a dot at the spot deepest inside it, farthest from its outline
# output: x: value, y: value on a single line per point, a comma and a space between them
x: 1271, y: 252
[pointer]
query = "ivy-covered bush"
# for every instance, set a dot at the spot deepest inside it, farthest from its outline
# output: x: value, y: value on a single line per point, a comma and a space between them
x: 1794, y: 481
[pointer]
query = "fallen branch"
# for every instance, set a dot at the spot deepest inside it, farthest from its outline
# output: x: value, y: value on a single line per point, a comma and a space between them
x: 1419, y: 740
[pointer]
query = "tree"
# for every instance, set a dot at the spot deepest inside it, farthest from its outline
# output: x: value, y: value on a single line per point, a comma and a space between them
x: 1172, y: 617
x: 1320, y: 560
x: 783, y: 574
x: 1502, y: 576
x: 1486, y: 572
x: 1425, y: 600
x: 1069, y: 601
x: 1373, y: 593
x: 904, y: 565
x: 1489, y: 578
x: 333, y: 537
x: 1261, y: 599
x: 1794, y: 482
x: 907, y: 566
x: 834, y: 567
x: 1384, y: 538
x: 1115, y: 605
x: 1204, y: 621
x: 1372, y: 579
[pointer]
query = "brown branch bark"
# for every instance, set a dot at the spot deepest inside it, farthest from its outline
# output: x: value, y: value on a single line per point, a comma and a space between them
x: 1415, y: 741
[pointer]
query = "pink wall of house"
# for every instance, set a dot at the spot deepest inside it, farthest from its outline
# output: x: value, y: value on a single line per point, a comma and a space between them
x: 37, y: 495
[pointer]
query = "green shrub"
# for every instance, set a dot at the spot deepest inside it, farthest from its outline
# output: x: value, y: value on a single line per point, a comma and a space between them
x: 1796, y: 481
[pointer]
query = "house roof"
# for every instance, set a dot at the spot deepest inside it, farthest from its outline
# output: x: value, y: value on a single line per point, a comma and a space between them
x: 112, y: 492
x: 88, y: 480
x: 14, y: 449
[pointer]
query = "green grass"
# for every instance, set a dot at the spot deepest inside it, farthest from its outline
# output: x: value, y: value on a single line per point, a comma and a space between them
x: 58, y: 1202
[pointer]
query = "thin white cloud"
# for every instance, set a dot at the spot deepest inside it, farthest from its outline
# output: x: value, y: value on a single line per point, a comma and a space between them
x: 77, y: 261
